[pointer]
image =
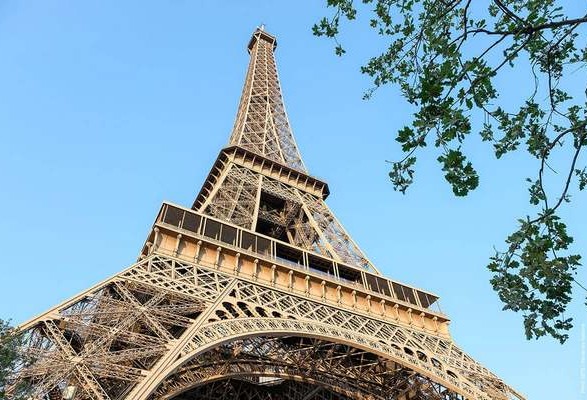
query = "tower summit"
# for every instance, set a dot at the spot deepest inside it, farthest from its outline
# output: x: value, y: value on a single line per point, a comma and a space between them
x: 261, y: 124
x: 259, y: 182
x: 254, y: 292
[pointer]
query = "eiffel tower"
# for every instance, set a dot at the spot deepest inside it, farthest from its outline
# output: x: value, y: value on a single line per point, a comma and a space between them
x: 256, y: 292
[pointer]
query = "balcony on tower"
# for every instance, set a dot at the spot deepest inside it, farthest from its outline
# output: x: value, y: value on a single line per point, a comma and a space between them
x: 189, y: 235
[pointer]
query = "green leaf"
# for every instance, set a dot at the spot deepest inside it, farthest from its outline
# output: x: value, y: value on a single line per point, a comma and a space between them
x: 449, y: 62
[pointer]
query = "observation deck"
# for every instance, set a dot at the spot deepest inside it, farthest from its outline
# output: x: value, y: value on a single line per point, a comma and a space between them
x: 189, y: 235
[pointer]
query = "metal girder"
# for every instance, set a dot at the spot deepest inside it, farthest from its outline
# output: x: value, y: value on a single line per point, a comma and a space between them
x: 261, y: 124
x: 253, y: 390
x: 169, y: 328
x: 107, y: 355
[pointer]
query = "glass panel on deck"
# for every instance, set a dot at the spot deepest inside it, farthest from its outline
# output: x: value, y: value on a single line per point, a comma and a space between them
x: 410, y: 296
x: 212, y: 229
x: 349, y: 274
x: 398, y: 289
x: 173, y: 216
x: 228, y: 234
x: 288, y: 254
x: 371, y: 283
x: 383, y: 286
x: 263, y: 246
x: 320, y: 265
x: 426, y: 299
x: 191, y: 222
x: 248, y: 241
x: 378, y: 284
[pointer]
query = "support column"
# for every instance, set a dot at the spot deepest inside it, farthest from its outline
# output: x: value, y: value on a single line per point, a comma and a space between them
x: 142, y: 390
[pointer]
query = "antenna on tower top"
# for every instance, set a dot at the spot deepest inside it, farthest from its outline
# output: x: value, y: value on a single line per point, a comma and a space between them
x: 262, y: 27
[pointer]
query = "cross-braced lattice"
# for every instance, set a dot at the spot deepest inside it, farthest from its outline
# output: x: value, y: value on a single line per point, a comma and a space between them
x: 255, y: 293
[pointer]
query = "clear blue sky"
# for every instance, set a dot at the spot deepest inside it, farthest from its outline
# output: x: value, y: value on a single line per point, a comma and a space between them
x: 107, y: 108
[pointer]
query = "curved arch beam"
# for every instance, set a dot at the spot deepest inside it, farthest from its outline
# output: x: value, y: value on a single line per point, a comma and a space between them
x: 289, y: 389
x: 211, y: 335
x: 355, y: 395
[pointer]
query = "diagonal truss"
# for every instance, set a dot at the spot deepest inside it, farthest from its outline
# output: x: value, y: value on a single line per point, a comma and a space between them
x: 261, y: 124
x: 165, y: 327
x: 268, y: 390
x: 257, y: 292
x: 245, y: 187
x: 265, y: 204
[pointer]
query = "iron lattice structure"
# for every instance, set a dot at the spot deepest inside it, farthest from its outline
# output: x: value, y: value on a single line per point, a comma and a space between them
x: 256, y: 292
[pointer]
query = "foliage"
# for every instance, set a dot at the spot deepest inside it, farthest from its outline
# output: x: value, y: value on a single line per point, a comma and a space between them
x: 8, y: 355
x: 446, y: 57
x: 9, y: 359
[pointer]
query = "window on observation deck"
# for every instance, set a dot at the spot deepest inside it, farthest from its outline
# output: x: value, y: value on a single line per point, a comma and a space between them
x: 173, y: 216
x: 378, y: 284
x: 349, y: 274
x: 191, y: 222
x: 248, y: 241
x: 289, y: 254
x: 263, y: 246
x: 320, y: 265
x: 212, y: 229
x: 398, y: 290
x: 426, y: 299
x: 228, y: 234
x: 404, y: 293
x: 410, y: 295
x: 255, y: 243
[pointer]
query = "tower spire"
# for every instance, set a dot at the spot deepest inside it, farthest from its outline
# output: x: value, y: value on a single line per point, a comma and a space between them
x: 261, y: 125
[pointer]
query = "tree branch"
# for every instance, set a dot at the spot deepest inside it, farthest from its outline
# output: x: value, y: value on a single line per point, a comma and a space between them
x: 532, y: 29
x: 550, y: 211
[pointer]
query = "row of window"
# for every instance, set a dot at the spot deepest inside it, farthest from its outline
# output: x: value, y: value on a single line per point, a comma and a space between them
x: 286, y: 254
